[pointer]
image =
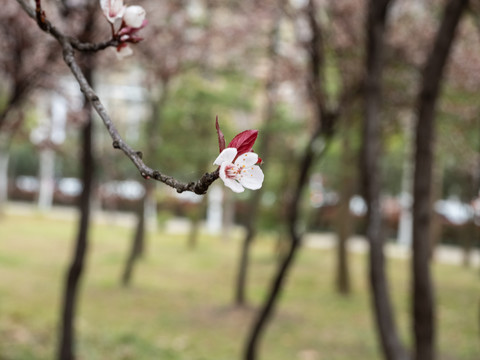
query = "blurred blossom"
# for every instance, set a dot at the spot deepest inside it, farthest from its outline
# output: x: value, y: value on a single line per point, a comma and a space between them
x: 134, y: 16
x: 126, y: 22
x: 113, y: 11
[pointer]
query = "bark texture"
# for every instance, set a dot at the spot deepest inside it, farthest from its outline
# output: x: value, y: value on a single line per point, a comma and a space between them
x: 344, y: 221
x: 317, y: 146
x: 137, y: 245
x: 279, y: 278
x: 371, y: 177
x: 423, y: 294
x: 66, y: 349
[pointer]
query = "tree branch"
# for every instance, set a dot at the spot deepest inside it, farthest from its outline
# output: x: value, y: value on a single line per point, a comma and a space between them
x: 68, y: 45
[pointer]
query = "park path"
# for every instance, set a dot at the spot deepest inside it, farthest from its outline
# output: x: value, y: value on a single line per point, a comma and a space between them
x: 447, y: 254
x: 444, y: 253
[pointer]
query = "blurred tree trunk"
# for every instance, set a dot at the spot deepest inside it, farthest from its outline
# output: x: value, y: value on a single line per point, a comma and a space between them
x: 250, y: 227
x: 152, y: 135
x: 136, y: 249
x: 371, y: 175
x: 287, y: 177
x: 228, y: 214
x: 316, y: 147
x: 4, y: 159
x: 278, y: 280
x: 195, y: 222
x: 11, y: 119
x: 423, y: 295
x: 263, y: 150
x: 344, y: 221
x: 66, y: 349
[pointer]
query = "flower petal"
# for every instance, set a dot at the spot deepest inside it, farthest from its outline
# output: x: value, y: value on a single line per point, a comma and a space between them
x: 226, y: 155
x: 222, y: 173
x: 134, y: 16
x: 252, y: 177
x: 117, y: 23
x: 234, y: 185
x: 112, y: 9
x: 247, y: 159
x: 231, y: 183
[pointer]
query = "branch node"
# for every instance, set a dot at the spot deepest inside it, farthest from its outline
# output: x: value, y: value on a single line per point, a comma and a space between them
x: 116, y: 144
x: 139, y: 154
x: 156, y: 175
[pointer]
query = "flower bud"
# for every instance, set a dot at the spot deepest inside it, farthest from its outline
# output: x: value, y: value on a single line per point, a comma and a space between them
x: 134, y: 16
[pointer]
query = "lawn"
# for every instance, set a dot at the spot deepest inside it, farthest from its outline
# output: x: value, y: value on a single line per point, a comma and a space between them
x: 179, y: 305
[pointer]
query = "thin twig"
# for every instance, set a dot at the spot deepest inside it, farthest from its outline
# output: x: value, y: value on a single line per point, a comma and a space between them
x: 69, y: 45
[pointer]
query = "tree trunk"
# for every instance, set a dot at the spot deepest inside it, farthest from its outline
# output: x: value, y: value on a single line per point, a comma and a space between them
x: 4, y: 159
x: 137, y: 244
x: 195, y: 222
x: 228, y: 214
x: 344, y: 218
x: 325, y: 120
x: 423, y: 296
x: 381, y: 303
x: 242, y: 268
x: 66, y: 349
x: 194, y: 231
x: 240, y: 298
x: 6, y: 135
x: 278, y: 280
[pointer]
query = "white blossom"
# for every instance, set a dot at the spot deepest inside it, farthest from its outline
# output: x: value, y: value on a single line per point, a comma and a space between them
x: 113, y: 11
x: 241, y: 173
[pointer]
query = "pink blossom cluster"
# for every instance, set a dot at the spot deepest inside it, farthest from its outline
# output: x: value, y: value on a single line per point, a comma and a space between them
x: 126, y: 21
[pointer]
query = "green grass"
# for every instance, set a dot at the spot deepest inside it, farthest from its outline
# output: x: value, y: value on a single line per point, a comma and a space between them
x: 179, y: 306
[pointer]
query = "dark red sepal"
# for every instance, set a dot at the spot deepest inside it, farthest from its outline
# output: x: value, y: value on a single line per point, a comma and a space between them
x: 221, y: 138
x: 244, y: 141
